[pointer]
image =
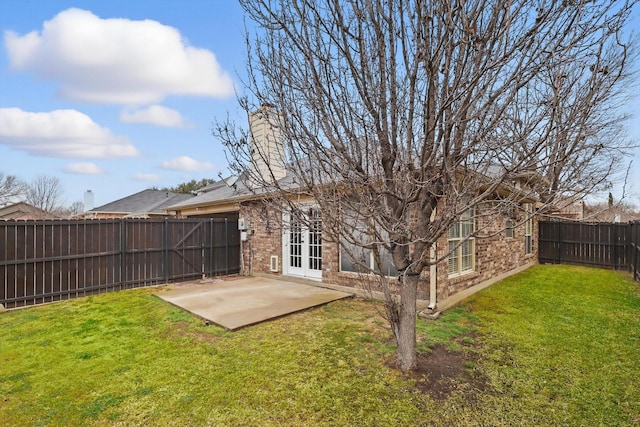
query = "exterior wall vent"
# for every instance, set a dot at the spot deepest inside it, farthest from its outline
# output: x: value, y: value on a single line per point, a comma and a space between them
x: 274, y: 263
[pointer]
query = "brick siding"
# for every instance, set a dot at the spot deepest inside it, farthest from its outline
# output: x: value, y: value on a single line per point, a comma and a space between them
x: 495, y: 253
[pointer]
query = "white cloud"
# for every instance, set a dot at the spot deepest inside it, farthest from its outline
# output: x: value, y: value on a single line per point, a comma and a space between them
x: 185, y: 163
x: 147, y: 177
x: 154, y: 115
x: 83, y: 168
x: 116, y: 61
x: 61, y: 133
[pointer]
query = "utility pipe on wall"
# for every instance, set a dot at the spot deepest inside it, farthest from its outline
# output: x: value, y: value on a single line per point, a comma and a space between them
x: 433, y: 271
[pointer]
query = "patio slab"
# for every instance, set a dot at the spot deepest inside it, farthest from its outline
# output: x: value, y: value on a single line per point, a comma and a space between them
x: 234, y: 304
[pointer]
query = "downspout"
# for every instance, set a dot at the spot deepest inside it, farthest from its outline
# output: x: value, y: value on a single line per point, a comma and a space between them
x: 433, y: 271
x: 433, y: 280
x: 241, y: 258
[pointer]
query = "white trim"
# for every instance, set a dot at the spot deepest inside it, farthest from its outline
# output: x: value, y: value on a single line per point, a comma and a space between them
x: 304, y: 271
x: 461, y: 241
x: 273, y: 264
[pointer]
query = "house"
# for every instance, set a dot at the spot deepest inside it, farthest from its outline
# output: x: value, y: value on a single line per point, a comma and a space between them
x: 144, y: 204
x: 619, y: 212
x: 24, y: 211
x: 568, y: 210
x: 276, y: 244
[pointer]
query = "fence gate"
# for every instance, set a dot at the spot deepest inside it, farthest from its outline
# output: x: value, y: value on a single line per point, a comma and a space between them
x: 43, y: 261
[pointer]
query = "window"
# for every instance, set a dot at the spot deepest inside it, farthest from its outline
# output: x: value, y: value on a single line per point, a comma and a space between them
x: 461, y: 245
x: 365, y: 260
x: 315, y: 240
x: 508, y: 231
x: 357, y: 259
x: 528, y: 229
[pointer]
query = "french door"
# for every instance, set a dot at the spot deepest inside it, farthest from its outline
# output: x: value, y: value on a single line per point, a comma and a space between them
x: 302, y: 245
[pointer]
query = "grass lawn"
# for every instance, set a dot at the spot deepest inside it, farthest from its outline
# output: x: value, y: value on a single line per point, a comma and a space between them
x: 554, y: 345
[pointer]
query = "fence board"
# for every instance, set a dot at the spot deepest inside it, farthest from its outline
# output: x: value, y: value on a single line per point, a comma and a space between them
x: 634, y: 249
x: 43, y: 261
x: 604, y: 245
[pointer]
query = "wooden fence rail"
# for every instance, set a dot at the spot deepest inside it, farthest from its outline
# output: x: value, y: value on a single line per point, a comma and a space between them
x: 605, y: 245
x: 43, y: 261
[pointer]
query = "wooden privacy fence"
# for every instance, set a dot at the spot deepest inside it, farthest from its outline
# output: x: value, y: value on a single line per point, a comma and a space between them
x: 607, y: 245
x: 43, y: 261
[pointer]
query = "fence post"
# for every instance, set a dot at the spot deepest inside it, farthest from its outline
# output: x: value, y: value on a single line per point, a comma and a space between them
x: 211, y: 240
x: 226, y: 245
x: 559, y: 240
x: 634, y: 242
x: 203, y: 253
x: 123, y: 252
x: 627, y: 244
x: 614, y: 251
x: 165, y: 249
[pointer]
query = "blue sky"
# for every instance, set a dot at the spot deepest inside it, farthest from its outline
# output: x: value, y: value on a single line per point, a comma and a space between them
x: 118, y: 96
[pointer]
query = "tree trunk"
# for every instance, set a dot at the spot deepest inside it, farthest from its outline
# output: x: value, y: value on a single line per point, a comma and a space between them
x: 406, y: 328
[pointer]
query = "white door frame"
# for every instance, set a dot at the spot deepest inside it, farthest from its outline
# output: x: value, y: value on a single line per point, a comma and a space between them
x: 301, y: 248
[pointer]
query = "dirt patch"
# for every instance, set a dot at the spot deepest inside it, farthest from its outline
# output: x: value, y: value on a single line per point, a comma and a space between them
x: 443, y: 372
x: 181, y: 329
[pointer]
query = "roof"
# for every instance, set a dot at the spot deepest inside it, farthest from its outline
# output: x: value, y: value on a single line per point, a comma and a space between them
x: 24, y: 211
x: 617, y: 213
x: 235, y: 189
x: 145, y: 202
x: 231, y: 189
x: 230, y: 180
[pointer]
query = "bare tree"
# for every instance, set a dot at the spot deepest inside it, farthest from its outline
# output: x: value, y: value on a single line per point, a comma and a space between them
x: 611, y: 212
x: 11, y: 189
x: 46, y: 193
x: 400, y: 117
x: 76, y: 207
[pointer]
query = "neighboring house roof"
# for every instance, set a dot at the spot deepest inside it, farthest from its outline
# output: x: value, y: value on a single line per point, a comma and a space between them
x: 144, y: 203
x: 568, y: 209
x: 615, y: 213
x: 24, y: 211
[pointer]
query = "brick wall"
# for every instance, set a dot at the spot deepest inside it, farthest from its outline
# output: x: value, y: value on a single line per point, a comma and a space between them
x: 264, y: 237
x: 331, y: 273
x: 495, y: 253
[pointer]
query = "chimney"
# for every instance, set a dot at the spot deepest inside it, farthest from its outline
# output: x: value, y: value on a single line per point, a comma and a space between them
x: 88, y: 200
x: 267, y: 146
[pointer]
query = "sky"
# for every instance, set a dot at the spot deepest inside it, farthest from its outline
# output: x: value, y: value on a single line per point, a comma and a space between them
x: 118, y: 96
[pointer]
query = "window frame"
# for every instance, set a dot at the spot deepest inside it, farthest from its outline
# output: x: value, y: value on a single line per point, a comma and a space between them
x: 461, y: 245
x: 509, y: 228
x: 528, y: 229
x: 345, y: 260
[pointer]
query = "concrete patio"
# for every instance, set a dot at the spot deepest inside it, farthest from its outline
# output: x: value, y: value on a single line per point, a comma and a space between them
x: 239, y: 302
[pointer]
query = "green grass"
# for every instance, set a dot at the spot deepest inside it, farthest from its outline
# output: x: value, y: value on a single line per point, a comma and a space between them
x: 555, y: 346
x: 561, y: 345
x: 455, y: 323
